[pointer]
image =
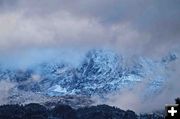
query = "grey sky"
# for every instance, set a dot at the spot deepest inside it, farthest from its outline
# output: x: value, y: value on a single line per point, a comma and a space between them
x: 150, y: 27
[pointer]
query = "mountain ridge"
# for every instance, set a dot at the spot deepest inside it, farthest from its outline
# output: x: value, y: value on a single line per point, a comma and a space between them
x: 101, y: 72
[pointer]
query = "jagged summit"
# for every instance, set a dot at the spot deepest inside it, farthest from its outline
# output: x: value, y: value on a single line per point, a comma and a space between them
x: 101, y: 72
x: 98, y: 62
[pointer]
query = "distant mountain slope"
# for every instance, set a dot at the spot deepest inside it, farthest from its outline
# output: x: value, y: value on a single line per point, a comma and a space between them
x: 100, y: 73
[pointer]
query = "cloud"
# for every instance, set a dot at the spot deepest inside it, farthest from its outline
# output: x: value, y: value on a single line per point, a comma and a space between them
x: 55, y: 30
x: 5, y: 88
x: 63, y: 30
x: 150, y: 27
x: 133, y: 99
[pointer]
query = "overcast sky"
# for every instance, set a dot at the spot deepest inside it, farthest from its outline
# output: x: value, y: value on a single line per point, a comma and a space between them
x: 133, y: 26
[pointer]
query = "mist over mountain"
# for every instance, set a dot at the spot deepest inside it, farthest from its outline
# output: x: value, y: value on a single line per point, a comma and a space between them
x: 121, y: 53
x: 103, y: 76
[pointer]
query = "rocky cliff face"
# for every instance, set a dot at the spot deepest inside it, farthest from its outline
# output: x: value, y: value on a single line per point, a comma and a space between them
x: 100, y: 73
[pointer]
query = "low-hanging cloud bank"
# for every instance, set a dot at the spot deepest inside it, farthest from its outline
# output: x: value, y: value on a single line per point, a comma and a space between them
x: 64, y: 30
x: 133, y: 99
x: 5, y: 89
x: 150, y: 27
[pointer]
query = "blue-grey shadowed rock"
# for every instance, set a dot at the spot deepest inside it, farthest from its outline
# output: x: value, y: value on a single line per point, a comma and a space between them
x: 100, y: 73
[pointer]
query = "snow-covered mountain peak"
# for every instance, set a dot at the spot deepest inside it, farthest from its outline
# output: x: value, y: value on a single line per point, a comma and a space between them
x: 100, y: 72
